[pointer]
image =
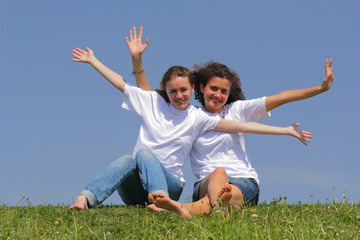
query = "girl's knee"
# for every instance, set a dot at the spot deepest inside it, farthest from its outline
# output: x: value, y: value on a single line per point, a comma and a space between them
x: 145, y: 155
x: 124, y: 160
x: 143, y: 152
x: 219, y: 171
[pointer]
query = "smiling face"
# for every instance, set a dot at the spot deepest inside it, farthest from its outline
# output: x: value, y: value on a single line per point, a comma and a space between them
x: 179, y: 91
x: 216, y: 93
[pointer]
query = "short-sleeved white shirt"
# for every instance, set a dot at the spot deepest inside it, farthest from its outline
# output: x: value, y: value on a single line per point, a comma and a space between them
x: 214, y: 149
x: 165, y: 130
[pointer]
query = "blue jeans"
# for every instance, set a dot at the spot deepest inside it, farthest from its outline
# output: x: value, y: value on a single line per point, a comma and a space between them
x: 133, y: 179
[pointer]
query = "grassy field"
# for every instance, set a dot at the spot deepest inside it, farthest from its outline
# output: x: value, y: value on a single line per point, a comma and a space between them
x: 275, y: 220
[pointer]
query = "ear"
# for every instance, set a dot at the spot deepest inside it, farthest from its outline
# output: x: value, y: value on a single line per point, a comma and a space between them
x: 202, y: 88
x: 192, y: 88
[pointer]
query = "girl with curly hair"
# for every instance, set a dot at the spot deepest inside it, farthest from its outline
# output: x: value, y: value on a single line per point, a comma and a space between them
x: 220, y: 160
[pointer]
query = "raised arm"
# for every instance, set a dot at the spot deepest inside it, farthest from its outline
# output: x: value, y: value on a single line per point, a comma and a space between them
x: 88, y: 57
x: 300, y: 94
x: 136, y: 49
x: 258, y: 128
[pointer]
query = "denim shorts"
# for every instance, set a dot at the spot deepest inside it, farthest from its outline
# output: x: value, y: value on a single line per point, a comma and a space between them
x: 248, y: 186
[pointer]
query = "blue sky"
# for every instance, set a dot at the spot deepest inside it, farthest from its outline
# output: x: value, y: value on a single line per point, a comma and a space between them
x: 61, y: 122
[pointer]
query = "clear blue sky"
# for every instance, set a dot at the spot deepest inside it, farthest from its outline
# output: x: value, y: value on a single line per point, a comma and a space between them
x: 61, y: 122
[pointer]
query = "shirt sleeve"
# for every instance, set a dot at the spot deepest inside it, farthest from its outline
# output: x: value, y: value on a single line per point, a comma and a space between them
x: 136, y: 100
x: 210, y: 120
x: 251, y: 110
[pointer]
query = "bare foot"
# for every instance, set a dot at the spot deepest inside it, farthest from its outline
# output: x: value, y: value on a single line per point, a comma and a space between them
x: 155, y: 208
x: 164, y: 202
x: 224, y: 196
x: 81, y: 203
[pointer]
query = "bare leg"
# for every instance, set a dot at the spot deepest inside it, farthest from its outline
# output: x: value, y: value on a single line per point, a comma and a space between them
x: 81, y: 203
x: 191, y: 209
x: 213, y: 183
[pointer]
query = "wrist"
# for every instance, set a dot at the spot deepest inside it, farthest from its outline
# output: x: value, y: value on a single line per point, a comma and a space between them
x: 289, y: 131
x: 136, y: 57
x: 136, y: 62
x: 137, y: 66
x: 138, y: 70
x: 322, y: 88
x: 93, y: 60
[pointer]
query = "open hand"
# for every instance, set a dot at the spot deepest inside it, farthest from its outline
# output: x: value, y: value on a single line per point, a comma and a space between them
x: 83, y: 56
x: 303, y: 136
x: 135, y: 45
x: 329, y: 78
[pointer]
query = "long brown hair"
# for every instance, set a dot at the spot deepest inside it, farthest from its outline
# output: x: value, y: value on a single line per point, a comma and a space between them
x: 178, y: 71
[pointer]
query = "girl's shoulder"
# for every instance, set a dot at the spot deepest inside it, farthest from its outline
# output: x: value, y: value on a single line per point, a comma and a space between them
x: 242, y: 104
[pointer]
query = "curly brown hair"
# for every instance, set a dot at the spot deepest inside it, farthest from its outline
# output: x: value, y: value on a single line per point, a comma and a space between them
x: 178, y: 71
x: 204, y: 72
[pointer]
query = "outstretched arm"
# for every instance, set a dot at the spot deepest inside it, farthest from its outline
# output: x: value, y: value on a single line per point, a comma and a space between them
x: 136, y: 49
x: 88, y: 57
x: 258, y: 128
x: 300, y: 94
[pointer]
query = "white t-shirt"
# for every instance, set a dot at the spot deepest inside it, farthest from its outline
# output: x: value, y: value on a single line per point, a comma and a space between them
x: 214, y: 149
x: 165, y: 130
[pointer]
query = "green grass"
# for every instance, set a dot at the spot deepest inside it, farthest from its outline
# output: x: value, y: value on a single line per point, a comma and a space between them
x: 275, y: 220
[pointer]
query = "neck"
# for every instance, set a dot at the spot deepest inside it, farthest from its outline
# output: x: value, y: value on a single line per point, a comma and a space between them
x: 211, y: 110
x: 181, y: 108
